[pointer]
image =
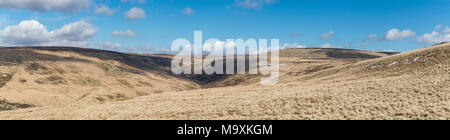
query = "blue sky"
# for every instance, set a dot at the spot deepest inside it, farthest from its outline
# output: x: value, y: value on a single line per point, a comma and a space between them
x: 379, y: 25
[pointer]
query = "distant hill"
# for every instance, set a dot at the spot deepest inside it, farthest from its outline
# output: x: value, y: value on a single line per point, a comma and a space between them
x: 330, y: 53
x: 298, y: 62
x: 425, y: 61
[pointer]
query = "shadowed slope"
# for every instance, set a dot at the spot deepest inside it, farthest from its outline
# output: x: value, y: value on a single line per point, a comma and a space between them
x: 44, y: 76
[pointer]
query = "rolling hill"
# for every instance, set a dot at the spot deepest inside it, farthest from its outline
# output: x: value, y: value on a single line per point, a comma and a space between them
x: 314, y: 84
x: 43, y: 76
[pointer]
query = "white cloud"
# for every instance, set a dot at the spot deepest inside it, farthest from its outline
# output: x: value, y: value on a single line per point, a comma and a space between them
x: 389, y: 50
x: 70, y: 6
x: 328, y: 45
x: 109, y: 45
x: 328, y: 35
x: 218, y: 45
x: 139, y: 1
x: 253, y: 4
x: 127, y: 33
x: 395, y: 34
x: 78, y: 31
x: 31, y: 32
x: 295, y: 45
x: 433, y: 38
x: 135, y: 13
x: 209, y: 47
x: 188, y: 11
x: 447, y: 30
x: 26, y: 33
x: 104, y: 10
x: 437, y: 36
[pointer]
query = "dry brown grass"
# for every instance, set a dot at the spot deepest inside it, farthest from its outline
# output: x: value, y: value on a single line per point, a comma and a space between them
x: 393, y: 98
x: 50, y: 76
x: 310, y: 88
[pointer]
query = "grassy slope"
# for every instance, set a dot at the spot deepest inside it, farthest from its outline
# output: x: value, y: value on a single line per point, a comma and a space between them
x: 366, y: 90
x: 43, y: 76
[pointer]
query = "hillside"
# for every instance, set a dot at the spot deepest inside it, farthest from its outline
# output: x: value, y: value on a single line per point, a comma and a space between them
x: 411, y: 85
x: 45, y: 76
x: 295, y: 63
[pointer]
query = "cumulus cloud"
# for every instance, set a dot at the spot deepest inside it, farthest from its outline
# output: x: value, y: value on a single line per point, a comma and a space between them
x: 395, y: 34
x: 31, y: 32
x: 327, y: 35
x: 26, y: 33
x: 218, y: 46
x: 433, y: 38
x: 78, y: 31
x: 188, y: 11
x: 328, y: 45
x: 439, y: 35
x: 70, y: 6
x: 389, y: 50
x: 295, y: 45
x: 104, y: 10
x: 254, y: 4
x: 135, y: 13
x: 127, y: 33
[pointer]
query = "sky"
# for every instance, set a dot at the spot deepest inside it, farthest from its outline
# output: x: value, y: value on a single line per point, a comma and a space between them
x: 150, y: 26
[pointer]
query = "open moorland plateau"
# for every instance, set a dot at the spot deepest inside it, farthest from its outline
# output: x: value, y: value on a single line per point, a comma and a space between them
x: 315, y: 83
